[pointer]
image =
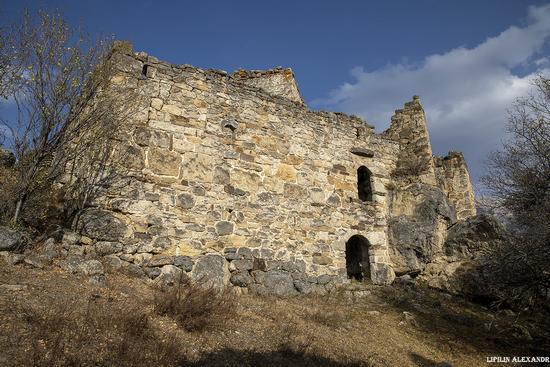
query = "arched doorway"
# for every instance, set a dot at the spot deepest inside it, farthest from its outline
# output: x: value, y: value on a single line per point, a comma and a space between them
x: 357, y: 258
x: 364, y: 185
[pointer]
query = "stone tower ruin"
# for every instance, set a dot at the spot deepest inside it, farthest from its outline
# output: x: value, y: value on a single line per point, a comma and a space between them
x: 236, y: 182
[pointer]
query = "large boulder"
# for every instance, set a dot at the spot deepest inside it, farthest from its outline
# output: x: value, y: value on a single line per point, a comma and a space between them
x: 9, y: 239
x: 274, y: 282
x: 382, y: 273
x: 103, y: 225
x: 463, y: 267
x: 421, y: 215
x: 467, y: 238
x: 211, y: 271
x: 170, y: 275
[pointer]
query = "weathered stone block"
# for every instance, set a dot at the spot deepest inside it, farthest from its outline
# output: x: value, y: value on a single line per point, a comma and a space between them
x: 243, y: 264
x: 197, y: 167
x: 381, y: 273
x: 183, y: 262
x: 244, y: 253
x: 164, y: 162
x: 152, y: 273
x: 363, y: 152
x: 211, y: 271
x: 108, y: 247
x: 170, y: 275
x: 145, y: 136
x: 259, y: 264
x: 294, y: 191
x: 224, y: 228
x: 185, y: 201
x: 230, y: 253
x: 9, y: 239
x: 132, y: 157
x: 322, y: 259
x: 286, y: 172
x: 245, y: 180
x: 241, y: 278
x: 102, y: 225
x: 278, y: 283
x: 160, y: 260
x: 221, y: 176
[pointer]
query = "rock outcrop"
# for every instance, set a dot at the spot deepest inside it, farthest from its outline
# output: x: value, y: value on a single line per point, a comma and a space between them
x: 418, y: 227
x: 461, y: 266
x: 9, y: 239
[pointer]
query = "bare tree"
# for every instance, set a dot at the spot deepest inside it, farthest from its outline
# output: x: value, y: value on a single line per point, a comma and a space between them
x: 70, y: 109
x: 518, y: 178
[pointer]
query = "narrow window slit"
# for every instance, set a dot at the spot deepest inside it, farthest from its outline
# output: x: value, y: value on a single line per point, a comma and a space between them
x: 364, y: 184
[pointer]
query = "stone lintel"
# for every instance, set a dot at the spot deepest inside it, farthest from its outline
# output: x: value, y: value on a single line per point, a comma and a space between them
x: 362, y: 152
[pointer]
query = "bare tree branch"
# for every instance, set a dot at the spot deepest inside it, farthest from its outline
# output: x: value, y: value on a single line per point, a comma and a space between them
x: 69, y: 110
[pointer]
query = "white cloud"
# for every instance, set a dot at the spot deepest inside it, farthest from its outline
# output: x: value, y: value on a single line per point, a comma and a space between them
x: 465, y: 92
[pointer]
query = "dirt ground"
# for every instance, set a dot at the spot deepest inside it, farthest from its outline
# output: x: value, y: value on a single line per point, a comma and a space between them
x: 378, y: 326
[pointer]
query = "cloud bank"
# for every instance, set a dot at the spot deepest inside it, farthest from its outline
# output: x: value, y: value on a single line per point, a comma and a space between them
x: 466, y: 92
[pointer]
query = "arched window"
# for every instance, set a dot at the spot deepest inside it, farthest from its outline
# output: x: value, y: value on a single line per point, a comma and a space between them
x: 364, y: 186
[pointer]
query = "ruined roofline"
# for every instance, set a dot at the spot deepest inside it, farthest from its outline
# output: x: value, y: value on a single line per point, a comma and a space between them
x: 278, y: 80
x: 243, y: 73
x: 236, y: 79
x: 451, y: 154
x: 411, y: 106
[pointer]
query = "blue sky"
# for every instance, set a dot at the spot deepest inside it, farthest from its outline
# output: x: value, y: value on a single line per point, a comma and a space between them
x: 467, y: 60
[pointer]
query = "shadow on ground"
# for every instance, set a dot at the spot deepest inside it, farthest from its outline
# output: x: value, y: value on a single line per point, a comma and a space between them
x: 457, y: 318
x: 279, y: 358
x: 425, y: 362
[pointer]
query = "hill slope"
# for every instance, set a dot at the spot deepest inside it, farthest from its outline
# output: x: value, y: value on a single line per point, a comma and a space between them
x: 49, y: 317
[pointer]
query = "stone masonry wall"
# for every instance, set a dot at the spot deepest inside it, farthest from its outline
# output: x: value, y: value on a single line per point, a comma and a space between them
x: 234, y: 181
x: 408, y: 127
x: 278, y: 81
x: 251, y: 188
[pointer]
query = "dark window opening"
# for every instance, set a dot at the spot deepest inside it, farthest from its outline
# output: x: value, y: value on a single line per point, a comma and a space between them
x: 144, y: 70
x: 357, y: 258
x: 230, y: 124
x: 364, y: 186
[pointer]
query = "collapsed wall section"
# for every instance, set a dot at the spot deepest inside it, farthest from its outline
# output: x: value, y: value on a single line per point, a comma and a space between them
x: 420, y: 211
x: 453, y: 178
x: 278, y: 82
x: 408, y: 128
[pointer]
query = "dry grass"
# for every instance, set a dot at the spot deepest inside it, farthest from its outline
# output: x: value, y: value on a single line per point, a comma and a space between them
x: 60, y: 319
x: 92, y: 333
x: 332, y: 318
x: 194, y: 307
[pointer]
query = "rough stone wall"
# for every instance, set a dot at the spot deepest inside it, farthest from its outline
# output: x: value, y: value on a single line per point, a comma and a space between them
x: 278, y: 81
x: 430, y: 194
x: 408, y: 127
x: 453, y: 178
x: 228, y: 170
x: 236, y: 182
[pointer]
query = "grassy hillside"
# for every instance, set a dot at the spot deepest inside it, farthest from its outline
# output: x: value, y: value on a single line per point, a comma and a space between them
x: 50, y: 318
